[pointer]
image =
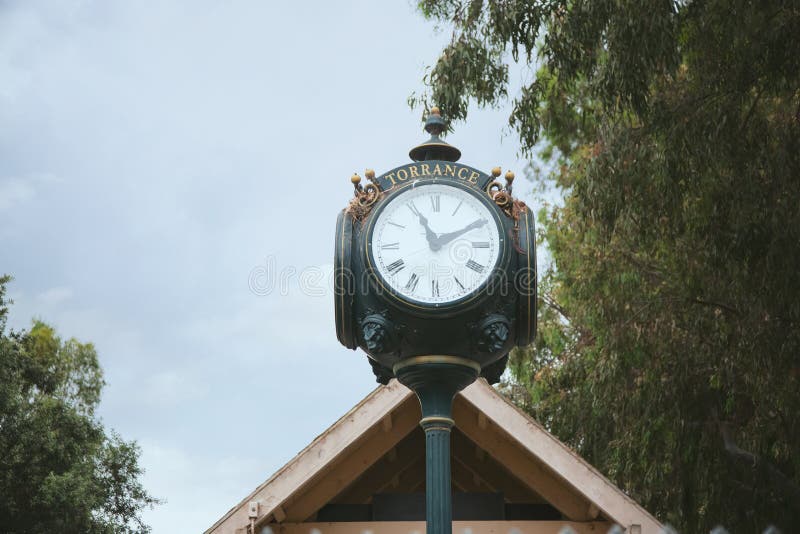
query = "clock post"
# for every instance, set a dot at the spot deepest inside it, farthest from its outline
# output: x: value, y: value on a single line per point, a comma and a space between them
x: 436, y: 380
x: 435, y: 280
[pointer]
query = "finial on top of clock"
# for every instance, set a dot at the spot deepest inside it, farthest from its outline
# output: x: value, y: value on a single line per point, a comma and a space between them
x: 356, y: 181
x: 435, y: 147
x: 509, y: 181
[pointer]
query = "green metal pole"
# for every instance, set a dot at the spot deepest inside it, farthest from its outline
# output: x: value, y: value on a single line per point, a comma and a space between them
x: 438, y: 492
x: 436, y: 380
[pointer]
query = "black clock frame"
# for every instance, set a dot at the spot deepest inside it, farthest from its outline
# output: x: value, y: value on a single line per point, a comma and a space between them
x: 483, y: 326
x: 344, y: 283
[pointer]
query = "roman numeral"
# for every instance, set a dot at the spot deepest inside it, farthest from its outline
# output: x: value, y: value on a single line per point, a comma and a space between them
x: 391, y: 246
x: 434, y: 288
x: 413, y: 208
x: 459, y: 283
x: 395, y: 267
x: 395, y: 224
x: 459, y: 205
x: 477, y: 267
x: 436, y: 202
x: 480, y: 244
x: 411, y: 285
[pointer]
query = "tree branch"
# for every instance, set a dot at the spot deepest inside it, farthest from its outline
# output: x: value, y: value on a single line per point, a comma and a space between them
x: 717, y: 305
x: 752, y: 108
x: 787, y: 486
x: 550, y: 301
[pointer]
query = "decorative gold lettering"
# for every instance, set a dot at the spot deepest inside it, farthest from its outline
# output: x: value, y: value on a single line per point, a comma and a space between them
x: 473, y: 178
x: 402, y: 175
x: 450, y: 169
x: 437, y: 170
x: 414, y: 172
x: 390, y: 176
x: 464, y: 170
x: 426, y: 169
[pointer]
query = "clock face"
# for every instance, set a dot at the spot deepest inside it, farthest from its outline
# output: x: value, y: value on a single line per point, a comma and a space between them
x: 435, y: 244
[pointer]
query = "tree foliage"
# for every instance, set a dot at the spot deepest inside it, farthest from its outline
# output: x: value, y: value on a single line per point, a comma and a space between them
x: 59, y: 469
x: 669, y: 343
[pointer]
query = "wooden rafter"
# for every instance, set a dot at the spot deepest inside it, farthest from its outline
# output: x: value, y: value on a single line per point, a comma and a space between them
x: 528, y: 437
x: 530, y: 471
x: 377, y: 478
x: 320, y: 490
x: 491, y: 472
x: 331, y: 445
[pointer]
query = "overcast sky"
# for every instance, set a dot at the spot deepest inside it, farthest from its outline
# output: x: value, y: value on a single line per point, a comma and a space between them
x: 157, y: 158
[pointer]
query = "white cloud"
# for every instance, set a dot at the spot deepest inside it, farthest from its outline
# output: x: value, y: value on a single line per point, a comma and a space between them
x: 170, y: 388
x: 54, y: 296
x: 18, y: 190
x: 15, y: 191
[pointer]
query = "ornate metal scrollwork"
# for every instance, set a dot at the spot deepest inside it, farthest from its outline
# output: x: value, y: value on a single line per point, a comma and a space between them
x: 364, y: 197
x: 492, y: 188
x: 501, y: 195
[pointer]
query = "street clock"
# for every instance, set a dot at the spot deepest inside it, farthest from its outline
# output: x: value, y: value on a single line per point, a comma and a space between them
x: 435, y: 258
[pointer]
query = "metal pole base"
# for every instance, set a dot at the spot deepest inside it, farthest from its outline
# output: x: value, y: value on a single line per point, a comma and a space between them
x: 436, y: 380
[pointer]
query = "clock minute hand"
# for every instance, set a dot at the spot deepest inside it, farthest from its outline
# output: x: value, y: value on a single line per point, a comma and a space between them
x: 445, y: 238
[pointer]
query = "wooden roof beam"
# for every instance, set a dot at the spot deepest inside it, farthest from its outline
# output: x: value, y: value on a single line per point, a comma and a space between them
x: 342, y: 436
x: 466, y: 481
x: 327, y: 484
x: 528, y: 469
x: 401, y: 457
x: 562, y: 463
x: 492, y: 473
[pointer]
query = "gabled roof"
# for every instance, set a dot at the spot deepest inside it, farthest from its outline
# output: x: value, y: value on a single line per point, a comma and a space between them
x: 370, y: 432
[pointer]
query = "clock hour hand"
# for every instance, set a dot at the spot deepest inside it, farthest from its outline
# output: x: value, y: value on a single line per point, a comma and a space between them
x: 430, y: 235
x: 445, y: 238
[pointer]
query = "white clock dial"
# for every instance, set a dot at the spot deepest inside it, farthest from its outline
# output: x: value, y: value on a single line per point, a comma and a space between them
x: 435, y: 243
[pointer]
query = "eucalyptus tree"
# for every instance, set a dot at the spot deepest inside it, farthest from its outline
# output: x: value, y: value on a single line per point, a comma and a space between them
x: 669, y: 346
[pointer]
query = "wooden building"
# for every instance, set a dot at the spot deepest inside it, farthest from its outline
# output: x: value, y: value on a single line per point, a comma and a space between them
x: 366, y: 475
